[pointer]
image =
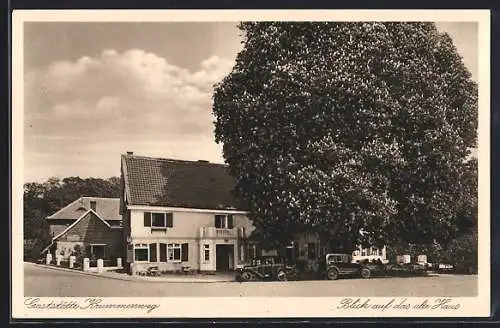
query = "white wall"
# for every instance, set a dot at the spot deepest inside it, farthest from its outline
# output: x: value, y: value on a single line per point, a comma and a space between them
x: 186, y: 229
x: 185, y: 224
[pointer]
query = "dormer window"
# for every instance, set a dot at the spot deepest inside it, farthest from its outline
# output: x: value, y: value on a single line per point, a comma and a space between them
x: 224, y: 221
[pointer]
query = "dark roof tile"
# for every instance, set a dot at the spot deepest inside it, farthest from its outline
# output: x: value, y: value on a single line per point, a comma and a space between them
x: 177, y: 183
x: 107, y: 208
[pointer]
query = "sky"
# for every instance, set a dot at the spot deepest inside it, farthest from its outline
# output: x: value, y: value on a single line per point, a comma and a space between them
x: 94, y: 91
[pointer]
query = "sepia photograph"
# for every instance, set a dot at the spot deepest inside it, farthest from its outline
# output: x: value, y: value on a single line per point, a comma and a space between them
x: 196, y: 164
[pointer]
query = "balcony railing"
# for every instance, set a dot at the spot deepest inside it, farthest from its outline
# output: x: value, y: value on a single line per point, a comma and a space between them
x: 224, y: 233
x: 212, y: 232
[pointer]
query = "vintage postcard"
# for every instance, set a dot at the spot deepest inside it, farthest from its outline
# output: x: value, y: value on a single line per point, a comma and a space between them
x: 239, y: 164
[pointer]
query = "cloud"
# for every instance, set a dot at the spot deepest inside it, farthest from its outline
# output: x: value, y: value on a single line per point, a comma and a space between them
x: 134, y: 76
x: 96, y: 105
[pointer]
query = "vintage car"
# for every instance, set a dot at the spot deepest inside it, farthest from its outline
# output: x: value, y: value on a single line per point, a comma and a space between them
x: 265, y: 268
x: 407, y: 269
x: 442, y: 268
x: 337, y: 265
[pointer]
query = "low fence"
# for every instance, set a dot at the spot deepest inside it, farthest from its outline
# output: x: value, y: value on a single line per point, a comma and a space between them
x: 85, y: 264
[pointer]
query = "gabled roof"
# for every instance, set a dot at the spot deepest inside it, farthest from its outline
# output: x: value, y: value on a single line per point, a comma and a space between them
x: 78, y: 220
x: 177, y: 183
x: 107, y: 209
x: 74, y: 224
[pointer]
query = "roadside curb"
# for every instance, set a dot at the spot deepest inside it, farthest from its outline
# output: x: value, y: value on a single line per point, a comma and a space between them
x: 132, y: 278
x: 100, y: 275
x: 182, y: 280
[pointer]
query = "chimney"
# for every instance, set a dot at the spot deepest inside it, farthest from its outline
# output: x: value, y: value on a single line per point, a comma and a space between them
x: 130, y: 153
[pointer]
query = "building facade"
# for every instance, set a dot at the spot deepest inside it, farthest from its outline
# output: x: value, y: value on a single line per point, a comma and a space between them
x: 90, y: 227
x: 180, y: 215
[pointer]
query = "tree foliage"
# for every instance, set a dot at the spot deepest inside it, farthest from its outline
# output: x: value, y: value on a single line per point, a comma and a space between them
x: 333, y: 127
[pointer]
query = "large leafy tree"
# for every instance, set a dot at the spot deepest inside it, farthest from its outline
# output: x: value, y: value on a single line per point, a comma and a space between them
x: 333, y: 127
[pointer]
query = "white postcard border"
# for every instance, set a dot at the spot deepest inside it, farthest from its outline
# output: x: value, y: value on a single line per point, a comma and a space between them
x: 204, y: 307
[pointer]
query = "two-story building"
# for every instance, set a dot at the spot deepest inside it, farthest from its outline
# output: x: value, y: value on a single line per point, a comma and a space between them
x: 179, y: 214
x: 182, y: 214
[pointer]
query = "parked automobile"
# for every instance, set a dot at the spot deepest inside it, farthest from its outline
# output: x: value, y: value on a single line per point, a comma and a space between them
x: 407, y: 269
x: 337, y: 265
x: 444, y: 267
x: 266, y: 268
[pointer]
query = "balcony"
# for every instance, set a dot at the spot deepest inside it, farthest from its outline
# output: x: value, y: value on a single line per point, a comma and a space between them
x: 212, y: 232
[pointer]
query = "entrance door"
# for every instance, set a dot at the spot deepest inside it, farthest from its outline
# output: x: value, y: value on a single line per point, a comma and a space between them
x: 224, y: 257
x: 98, y: 251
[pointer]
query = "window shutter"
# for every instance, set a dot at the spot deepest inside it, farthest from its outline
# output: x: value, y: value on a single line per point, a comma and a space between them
x: 230, y: 221
x: 147, y: 219
x: 152, y: 253
x: 163, y: 252
x: 170, y: 220
x: 217, y: 221
x: 185, y: 251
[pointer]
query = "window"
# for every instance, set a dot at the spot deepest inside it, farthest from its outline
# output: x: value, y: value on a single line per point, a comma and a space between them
x: 206, y: 253
x: 333, y: 258
x: 220, y: 221
x: 174, y: 252
x: 158, y: 220
x: 311, y: 251
x: 224, y: 221
x: 258, y: 251
x: 141, y: 253
x: 93, y: 205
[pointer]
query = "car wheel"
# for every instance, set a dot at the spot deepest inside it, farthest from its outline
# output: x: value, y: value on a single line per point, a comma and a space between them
x: 333, y: 274
x: 245, y: 276
x: 365, y: 273
x: 281, y: 276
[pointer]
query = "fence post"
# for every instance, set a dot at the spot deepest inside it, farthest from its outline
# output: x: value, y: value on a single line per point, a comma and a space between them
x: 100, y: 265
x: 86, y: 264
x: 72, y: 259
x: 119, y: 262
x: 58, y: 260
x: 48, y: 258
x: 132, y: 269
